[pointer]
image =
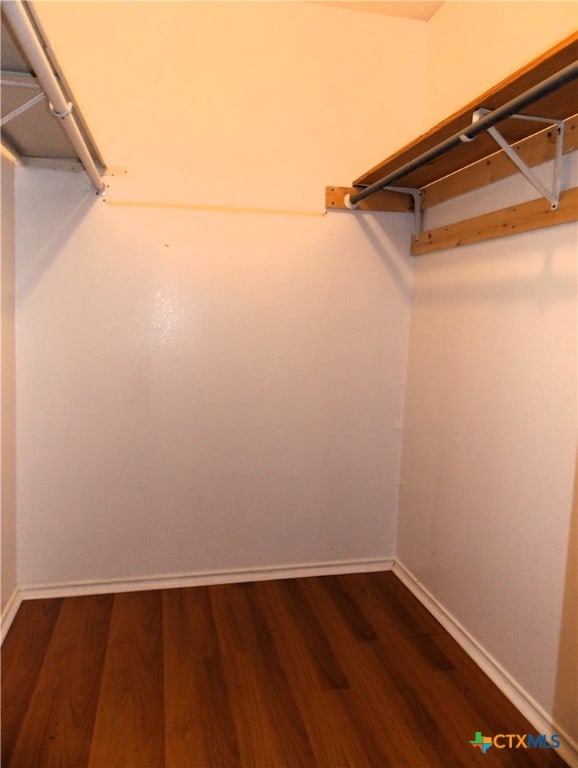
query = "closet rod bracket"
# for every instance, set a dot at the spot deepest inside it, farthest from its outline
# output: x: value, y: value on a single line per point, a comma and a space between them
x: 553, y: 194
x: 417, y: 195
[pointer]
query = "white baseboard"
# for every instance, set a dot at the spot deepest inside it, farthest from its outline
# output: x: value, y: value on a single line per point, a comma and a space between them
x: 519, y: 697
x: 9, y: 612
x: 205, y: 578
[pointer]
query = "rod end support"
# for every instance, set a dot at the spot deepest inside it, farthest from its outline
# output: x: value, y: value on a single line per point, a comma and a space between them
x: 63, y: 114
x: 348, y: 203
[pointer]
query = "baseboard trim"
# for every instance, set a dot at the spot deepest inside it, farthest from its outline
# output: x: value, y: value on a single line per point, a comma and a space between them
x: 205, y: 578
x: 9, y: 612
x: 519, y: 697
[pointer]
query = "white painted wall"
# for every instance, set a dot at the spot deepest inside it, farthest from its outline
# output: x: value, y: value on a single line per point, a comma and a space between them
x: 206, y: 390
x: 8, y: 388
x: 490, y: 422
x: 241, y: 103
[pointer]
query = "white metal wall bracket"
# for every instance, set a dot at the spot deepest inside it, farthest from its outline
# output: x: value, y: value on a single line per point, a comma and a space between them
x: 9, y: 81
x: 22, y: 108
x: 553, y: 194
x: 417, y: 195
x: 19, y: 80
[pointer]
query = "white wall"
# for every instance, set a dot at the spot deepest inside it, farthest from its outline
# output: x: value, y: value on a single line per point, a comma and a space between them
x: 241, y: 103
x: 8, y: 389
x: 209, y: 390
x: 490, y: 421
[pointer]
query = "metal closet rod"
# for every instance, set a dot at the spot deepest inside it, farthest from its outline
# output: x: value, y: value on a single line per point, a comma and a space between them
x: 508, y: 109
x: 26, y: 36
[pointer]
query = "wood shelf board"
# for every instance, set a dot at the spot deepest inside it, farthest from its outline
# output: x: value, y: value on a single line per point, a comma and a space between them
x: 524, y: 217
x: 557, y: 105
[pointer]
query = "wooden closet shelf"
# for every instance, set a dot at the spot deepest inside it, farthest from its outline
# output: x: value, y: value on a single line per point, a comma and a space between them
x: 557, y: 105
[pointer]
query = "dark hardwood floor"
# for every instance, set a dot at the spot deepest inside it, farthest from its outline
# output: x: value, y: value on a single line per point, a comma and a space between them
x: 324, y: 672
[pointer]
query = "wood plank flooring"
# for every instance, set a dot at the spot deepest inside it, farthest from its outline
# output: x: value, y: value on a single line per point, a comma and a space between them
x: 328, y: 672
